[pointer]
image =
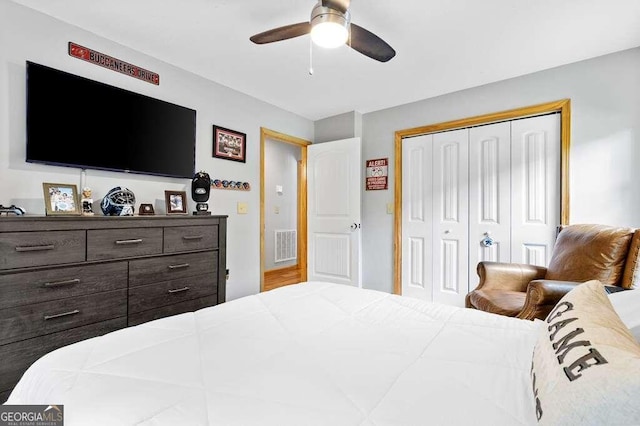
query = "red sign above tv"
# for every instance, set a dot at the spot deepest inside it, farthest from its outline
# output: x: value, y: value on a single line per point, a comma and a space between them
x: 112, y: 63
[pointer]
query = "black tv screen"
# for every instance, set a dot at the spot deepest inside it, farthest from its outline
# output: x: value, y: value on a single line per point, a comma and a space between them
x: 76, y: 122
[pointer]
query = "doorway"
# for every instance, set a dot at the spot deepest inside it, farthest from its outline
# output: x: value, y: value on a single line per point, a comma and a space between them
x: 450, y: 128
x: 286, y: 248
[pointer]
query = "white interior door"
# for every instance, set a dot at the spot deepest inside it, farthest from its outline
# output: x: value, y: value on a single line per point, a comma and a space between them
x: 435, y: 217
x: 417, y: 217
x: 535, y: 195
x: 451, y: 216
x: 489, y: 195
x: 333, y: 206
x: 500, y: 181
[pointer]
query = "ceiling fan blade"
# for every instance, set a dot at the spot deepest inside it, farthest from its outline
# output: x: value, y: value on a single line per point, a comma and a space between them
x: 370, y: 45
x: 339, y: 5
x: 282, y: 33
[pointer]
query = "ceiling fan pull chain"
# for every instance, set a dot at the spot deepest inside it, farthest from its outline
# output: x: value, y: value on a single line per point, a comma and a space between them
x: 310, y: 57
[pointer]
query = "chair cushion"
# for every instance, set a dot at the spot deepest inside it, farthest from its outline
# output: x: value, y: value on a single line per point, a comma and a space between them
x: 502, y: 302
x: 586, y: 363
x: 590, y: 252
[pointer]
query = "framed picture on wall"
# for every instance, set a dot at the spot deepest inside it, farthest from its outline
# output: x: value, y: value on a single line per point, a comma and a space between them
x: 61, y: 199
x: 229, y: 144
x: 176, y: 202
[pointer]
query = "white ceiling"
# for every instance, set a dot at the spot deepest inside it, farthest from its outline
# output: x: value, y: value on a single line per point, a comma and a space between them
x: 442, y: 46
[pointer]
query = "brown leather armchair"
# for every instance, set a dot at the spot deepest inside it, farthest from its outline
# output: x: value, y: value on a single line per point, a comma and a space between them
x: 581, y: 253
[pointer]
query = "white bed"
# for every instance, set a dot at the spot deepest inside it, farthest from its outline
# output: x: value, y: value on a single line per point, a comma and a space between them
x: 308, y: 354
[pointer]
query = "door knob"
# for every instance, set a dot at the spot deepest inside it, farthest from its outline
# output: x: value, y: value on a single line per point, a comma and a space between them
x: 487, y: 241
x: 354, y: 226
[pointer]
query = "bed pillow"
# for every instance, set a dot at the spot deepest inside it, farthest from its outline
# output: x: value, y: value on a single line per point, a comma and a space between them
x: 586, y: 363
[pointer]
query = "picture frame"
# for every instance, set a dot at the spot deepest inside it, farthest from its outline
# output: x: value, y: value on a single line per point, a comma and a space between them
x: 61, y: 199
x: 176, y: 202
x: 229, y: 144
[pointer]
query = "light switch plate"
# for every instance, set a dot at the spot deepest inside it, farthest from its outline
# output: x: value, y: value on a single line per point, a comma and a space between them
x: 242, y: 208
x: 389, y: 208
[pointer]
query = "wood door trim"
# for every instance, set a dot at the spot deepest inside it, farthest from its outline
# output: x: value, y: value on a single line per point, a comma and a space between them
x: 302, y: 197
x: 563, y: 106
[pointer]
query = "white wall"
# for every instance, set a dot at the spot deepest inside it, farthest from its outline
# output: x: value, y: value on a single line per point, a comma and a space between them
x: 604, y: 155
x: 28, y: 35
x: 341, y: 126
x: 280, y: 210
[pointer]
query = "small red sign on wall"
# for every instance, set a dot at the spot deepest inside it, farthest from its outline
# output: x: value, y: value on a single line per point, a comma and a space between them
x: 377, y: 174
x: 112, y: 63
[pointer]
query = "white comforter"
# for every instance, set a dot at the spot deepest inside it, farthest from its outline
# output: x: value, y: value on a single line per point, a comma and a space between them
x: 308, y: 354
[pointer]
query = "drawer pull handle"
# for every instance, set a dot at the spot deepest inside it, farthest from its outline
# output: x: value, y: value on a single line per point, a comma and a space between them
x: 62, y: 283
x: 180, y: 266
x: 64, y: 314
x: 192, y: 237
x: 178, y: 290
x: 126, y: 242
x: 36, y: 248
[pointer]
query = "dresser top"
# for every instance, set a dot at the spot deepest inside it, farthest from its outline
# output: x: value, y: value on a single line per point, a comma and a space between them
x: 54, y: 223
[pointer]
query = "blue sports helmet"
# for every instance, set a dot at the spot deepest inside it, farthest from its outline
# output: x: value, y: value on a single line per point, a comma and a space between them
x: 119, y: 201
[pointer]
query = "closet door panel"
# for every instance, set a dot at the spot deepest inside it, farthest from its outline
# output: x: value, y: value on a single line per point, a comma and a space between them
x: 489, y: 196
x: 450, y: 216
x: 417, y: 263
x: 535, y: 196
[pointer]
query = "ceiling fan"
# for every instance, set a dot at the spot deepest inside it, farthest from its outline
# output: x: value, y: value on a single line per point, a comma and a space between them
x: 330, y: 26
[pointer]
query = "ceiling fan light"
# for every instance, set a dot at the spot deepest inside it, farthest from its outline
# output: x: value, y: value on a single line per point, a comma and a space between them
x: 329, y: 27
x: 329, y: 34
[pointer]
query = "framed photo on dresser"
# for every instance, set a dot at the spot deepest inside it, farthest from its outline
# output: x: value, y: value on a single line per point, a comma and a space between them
x: 176, y: 202
x: 61, y: 199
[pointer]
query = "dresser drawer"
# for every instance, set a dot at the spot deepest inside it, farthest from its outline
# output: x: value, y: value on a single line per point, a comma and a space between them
x: 175, y: 309
x: 24, y: 249
x: 58, y: 283
x: 185, y: 238
x: 166, y: 293
x: 17, y: 357
x: 27, y: 321
x: 147, y: 271
x: 123, y: 243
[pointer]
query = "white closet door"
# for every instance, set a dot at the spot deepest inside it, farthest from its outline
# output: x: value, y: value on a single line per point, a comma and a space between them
x: 489, y: 196
x: 417, y: 263
x: 451, y: 216
x: 500, y: 179
x: 535, y: 181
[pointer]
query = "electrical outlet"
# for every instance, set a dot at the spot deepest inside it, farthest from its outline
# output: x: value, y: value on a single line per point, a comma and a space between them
x: 276, y: 210
x: 242, y: 208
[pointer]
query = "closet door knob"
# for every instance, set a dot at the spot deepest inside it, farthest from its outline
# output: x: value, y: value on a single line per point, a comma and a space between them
x: 486, y: 241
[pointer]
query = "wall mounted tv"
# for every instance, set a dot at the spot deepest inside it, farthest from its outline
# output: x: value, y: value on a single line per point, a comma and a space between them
x: 76, y: 122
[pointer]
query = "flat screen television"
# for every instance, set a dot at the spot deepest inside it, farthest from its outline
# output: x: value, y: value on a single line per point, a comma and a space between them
x: 77, y: 122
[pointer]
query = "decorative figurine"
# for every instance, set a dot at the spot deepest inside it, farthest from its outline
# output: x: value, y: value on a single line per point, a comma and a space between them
x: 87, y: 202
x: 200, y: 187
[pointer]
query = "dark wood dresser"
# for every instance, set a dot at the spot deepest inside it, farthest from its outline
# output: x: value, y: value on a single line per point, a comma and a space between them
x: 66, y: 279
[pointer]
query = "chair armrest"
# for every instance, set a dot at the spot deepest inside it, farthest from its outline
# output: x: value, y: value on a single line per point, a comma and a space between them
x: 508, y: 276
x: 543, y: 295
